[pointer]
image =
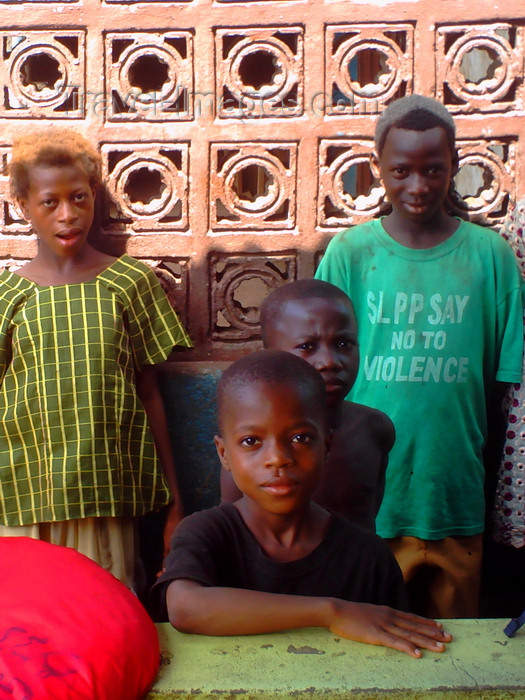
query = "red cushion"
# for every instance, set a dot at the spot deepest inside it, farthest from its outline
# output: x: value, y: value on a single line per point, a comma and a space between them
x: 69, y: 629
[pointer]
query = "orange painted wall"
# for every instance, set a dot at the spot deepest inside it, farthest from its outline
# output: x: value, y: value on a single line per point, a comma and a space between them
x: 235, y: 135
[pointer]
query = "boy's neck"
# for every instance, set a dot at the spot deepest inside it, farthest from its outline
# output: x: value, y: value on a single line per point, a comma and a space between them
x: 420, y: 235
x: 285, y: 537
x: 334, y: 415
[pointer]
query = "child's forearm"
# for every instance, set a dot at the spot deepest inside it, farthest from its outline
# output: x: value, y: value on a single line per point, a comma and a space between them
x: 230, y: 611
x: 149, y: 394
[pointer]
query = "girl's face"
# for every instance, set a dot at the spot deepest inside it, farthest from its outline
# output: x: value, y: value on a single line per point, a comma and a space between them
x: 60, y: 205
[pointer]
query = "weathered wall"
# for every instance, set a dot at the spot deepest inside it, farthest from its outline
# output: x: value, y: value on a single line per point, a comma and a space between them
x: 236, y: 135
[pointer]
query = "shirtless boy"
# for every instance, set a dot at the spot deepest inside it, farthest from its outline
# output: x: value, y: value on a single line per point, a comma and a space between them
x: 315, y: 320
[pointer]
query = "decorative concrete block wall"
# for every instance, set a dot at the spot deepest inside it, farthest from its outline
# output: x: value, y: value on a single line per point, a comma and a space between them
x: 235, y: 136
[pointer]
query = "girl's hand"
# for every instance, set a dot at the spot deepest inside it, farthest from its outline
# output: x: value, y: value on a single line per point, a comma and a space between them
x: 380, y: 625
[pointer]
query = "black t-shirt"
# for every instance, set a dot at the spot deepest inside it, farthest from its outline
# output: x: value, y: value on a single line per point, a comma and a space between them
x: 215, y: 548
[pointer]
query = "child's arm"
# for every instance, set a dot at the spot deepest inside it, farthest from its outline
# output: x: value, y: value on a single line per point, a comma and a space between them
x: 149, y: 394
x: 389, y: 437
x: 214, y: 610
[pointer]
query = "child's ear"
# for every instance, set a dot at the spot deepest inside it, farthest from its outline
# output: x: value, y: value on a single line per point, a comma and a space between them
x: 221, y: 451
x: 22, y: 205
x: 374, y: 166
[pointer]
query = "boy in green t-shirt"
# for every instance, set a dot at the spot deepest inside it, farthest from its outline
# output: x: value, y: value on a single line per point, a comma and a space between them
x: 439, y: 314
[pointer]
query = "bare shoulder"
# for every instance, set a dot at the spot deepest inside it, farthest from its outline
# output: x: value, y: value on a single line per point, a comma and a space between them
x: 352, y: 483
x: 371, y: 421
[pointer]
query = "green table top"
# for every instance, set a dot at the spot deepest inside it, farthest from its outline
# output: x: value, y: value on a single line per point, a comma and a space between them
x: 481, y: 662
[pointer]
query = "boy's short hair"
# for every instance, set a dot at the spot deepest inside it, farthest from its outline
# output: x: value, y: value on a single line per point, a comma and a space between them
x: 52, y: 147
x: 272, y: 367
x: 415, y: 113
x: 295, y: 291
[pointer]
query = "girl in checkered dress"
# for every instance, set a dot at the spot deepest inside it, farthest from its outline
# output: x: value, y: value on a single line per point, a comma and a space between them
x: 84, y: 446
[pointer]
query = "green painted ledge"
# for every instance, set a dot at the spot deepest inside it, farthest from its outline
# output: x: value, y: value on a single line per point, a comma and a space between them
x: 481, y: 662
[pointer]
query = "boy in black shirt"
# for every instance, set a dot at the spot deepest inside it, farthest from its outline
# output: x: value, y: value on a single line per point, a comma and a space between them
x: 274, y: 559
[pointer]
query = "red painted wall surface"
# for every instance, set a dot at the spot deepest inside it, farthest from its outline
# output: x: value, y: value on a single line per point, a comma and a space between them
x: 235, y: 136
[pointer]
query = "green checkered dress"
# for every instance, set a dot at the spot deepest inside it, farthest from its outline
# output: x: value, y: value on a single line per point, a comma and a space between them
x: 74, y: 440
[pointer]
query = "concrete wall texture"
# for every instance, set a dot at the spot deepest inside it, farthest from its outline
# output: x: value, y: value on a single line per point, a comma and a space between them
x: 235, y: 135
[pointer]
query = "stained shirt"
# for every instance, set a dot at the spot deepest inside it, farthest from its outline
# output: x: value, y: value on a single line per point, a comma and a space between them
x: 74, y: 436
x: 436, y: 327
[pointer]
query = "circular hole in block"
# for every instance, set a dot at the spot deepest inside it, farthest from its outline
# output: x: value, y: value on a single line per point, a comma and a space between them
x: 369, y: 67
x: 480, y: 64
x: 248, y: 296
x: 41, y: 71
x: 258, y: 69
x: 148, y: 73
x: 358, y: 180
x: 252, y: 182
x: 144, y: 186
x: 473, y: 182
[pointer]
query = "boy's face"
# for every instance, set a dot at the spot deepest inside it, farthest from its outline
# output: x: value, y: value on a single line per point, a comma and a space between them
x: 416, y: 168
x: 323, y: 332
x: 274, y: 442
x: 60, y: 206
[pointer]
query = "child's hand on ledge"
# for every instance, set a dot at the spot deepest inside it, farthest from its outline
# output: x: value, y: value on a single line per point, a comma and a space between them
x: 380, y: 625
x: 214, y: 610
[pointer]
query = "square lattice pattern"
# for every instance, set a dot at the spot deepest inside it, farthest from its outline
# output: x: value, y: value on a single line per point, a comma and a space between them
x: 236, y: 137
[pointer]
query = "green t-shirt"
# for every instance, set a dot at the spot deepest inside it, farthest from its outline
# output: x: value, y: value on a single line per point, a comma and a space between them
x: 436, y: 327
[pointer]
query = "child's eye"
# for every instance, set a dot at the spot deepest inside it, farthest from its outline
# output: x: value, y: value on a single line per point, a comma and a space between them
x: 80, y: 196
x: 307, y: 346
x: 48, y: 203
x: 302, y: 438
x: 400, y: 172
x: 346, y: 344
x: 249, y: 441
